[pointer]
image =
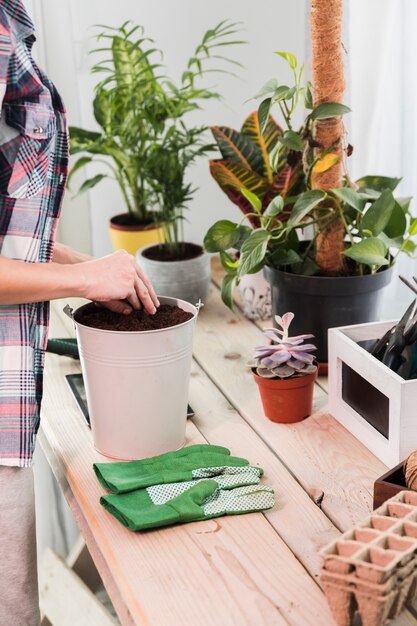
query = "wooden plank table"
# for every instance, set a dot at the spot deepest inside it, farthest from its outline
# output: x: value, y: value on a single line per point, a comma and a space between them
x: 254, y: 570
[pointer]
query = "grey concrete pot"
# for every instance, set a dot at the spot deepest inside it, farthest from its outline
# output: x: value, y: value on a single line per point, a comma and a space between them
x: 188, y: 280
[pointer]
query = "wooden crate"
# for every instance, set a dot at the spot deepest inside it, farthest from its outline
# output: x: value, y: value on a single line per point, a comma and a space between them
x: 389, y: 484
x: 375, y: 404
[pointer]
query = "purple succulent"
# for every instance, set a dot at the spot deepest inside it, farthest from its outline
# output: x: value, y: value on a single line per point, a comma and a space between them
x: 285, y: 356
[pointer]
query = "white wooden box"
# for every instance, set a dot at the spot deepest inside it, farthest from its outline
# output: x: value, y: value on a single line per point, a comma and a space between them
x: 373, y: 403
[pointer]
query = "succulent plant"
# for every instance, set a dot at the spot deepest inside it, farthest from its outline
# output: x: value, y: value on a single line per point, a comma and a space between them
x: 284, y: 356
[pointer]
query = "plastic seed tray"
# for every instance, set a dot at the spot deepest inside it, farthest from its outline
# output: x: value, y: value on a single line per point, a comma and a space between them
x: 372, y: 568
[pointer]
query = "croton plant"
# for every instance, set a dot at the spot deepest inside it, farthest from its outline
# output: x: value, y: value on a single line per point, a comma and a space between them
x: 268, y: 170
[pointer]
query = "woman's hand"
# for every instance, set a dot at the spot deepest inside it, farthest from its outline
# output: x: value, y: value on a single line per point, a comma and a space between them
x: 115, y: 278
x: 142, y: 287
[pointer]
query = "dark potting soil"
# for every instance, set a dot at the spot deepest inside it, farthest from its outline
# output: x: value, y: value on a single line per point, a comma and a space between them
x: 129, y: 220
x: 104, y: 319
x: 163, y: 253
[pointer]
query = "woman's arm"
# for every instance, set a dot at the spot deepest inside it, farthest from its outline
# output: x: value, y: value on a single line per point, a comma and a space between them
x: 34, y: 282
x: 114, y: 277
x: 65, y: 254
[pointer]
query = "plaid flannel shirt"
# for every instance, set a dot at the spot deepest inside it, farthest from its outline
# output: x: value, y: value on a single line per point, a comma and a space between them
x: 33, y: 172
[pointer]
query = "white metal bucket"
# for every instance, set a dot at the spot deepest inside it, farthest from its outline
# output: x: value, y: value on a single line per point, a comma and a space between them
x: 137, y: 385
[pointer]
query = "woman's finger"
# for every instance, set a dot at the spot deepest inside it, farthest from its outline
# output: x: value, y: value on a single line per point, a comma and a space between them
x: 145, y: 296
x: 145, y: 280
x: 134, y: 300
x: 118, y: 306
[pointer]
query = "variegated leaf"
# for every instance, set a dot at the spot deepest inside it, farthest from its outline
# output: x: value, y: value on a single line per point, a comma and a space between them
x: 278, y: 187
x: 238, y: 148
x: 272, y: 133
x: 229, y: 174
x: 252, y: 130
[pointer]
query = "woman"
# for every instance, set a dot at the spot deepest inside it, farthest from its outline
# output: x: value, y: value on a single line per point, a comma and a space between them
x: 33, y: 270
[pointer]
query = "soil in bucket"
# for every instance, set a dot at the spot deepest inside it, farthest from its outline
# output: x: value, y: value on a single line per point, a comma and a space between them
x: 103, y: 319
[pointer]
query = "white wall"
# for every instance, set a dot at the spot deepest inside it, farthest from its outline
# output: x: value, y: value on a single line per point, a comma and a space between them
x: 177, y: 28
x: 383, y: 97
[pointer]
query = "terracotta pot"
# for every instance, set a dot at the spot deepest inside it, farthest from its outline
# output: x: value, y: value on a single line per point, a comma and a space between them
x: 126, y: 235
x: 287, y: 400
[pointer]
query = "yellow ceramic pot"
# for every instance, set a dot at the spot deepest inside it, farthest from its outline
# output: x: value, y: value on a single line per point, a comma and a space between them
x: 126, y: 235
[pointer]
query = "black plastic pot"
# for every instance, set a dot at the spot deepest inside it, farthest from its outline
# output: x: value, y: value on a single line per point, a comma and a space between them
x: 320, y: 303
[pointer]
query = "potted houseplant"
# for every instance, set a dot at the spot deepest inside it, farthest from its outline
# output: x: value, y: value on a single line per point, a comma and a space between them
x: 285, y: 372
x: 141, y: 114
x: 294, y: 239
x: 245, y: 166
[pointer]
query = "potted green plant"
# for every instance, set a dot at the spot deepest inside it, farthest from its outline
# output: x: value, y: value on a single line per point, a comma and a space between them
x: 293, y: 237
x: 285, y: 372
x: 142, y: 139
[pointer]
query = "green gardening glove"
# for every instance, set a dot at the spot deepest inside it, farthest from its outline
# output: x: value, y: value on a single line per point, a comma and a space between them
x: 199, y: 461
x: 65, y: 347
x: 203, y: 500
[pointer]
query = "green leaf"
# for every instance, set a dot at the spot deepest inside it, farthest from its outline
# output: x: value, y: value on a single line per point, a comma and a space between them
x: 328, y: 110
x: 252, y: 198
x: 281, y: 256
x: 253, y: 251
x: 397, y: 224
x: 229, y: 265
x: 350, y: 197
x: 268, y: 88
x: 292, y: 140
x: 412, y: 229
x: 370, y: 251
x: 263, y: 113
x: 275, y: 207
x: 379, y: 183
x: 409, y: 247
x: 379, y: 213
x: 244, y: 233
x: 307, y: 267
x: 228, y: 283
x: 77, y: 166
x: 368, y: 194
x: 102, y: 108
x: 397, y: 242
x: 281, y: 93
x: 223, y: 235
x: 290, y: 93
x: 305, y: 203
x: 308, y: 95
x: 81, y: 140
x: 90, y: 183
x: 404, y: 203
x: 289, y: 57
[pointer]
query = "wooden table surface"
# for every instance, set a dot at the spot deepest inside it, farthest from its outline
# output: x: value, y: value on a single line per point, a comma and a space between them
x: 249, y: 570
